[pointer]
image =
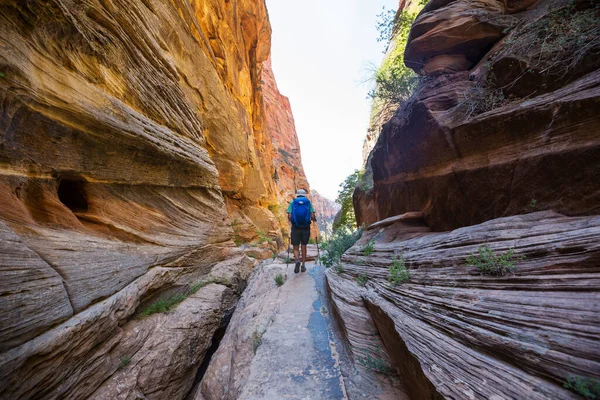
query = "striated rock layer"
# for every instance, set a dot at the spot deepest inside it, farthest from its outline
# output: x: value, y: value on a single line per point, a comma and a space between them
x: 505, y: 120
x: 132, y: 134
x: 451, y: 332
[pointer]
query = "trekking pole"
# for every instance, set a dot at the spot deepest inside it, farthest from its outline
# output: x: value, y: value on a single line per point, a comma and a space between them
x: 318, y: 253
x: 287, y: 260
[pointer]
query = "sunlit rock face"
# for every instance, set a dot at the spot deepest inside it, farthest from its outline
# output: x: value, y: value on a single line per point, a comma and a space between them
x: 128, y: 131
x: 505, y: 120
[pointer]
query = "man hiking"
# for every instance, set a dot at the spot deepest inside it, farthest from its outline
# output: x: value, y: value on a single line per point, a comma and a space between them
x: 300, y: 213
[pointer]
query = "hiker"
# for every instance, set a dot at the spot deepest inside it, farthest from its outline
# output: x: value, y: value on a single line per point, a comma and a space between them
x: 300, y: 213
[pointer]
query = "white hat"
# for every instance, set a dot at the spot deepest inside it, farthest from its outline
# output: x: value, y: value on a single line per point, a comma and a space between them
x: 301, y: 193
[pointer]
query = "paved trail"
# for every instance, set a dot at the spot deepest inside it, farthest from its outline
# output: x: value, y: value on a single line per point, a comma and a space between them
x: 297, y: 358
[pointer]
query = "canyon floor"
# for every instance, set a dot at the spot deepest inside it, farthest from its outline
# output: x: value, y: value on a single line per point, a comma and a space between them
x: 295, y: 350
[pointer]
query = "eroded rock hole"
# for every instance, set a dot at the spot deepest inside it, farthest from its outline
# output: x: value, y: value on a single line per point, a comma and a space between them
x: 71, y: 193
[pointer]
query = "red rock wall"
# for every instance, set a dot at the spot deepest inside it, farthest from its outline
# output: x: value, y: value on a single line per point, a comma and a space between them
x: 500, y: 124
x: 131, y: 134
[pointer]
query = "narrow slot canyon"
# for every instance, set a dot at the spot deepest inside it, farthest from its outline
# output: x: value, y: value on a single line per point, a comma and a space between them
x: 419, y: 219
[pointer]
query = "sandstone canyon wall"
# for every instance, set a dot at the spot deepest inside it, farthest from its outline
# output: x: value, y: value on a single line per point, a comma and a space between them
x: 132, y: 135
x: 498, y: 146
x: 326, y: 211
x: 505, y: 118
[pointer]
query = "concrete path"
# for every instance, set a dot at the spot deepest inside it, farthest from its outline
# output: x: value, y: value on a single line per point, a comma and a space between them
x: 297, y: 358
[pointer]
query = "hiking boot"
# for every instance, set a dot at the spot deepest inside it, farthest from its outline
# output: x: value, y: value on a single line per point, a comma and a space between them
x: 297, y: 269
x: 303, y: 268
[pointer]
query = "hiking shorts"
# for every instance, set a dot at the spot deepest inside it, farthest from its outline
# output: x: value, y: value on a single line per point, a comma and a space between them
x: 300, y: 236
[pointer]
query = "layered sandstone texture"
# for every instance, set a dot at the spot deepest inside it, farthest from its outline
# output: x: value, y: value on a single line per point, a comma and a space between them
x: 505, y: 120
x: 128, y: 129
x: 280, y: 171
x: 451, y: 332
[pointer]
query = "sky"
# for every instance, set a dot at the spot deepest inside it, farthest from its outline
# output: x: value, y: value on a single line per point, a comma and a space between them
x: 322, y: 52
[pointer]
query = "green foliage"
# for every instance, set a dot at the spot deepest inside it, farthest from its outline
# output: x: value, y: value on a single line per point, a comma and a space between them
x: 375, y: 362
x: 236, y: 228
x: 279, y: 279
x: 490, y: 263
x: 2, y: 75
x: 394, y: 81
x: 533, y: 205
x: 397, y: 271
x: 586, y: 387
x: 274, y: 208
x: 482, y: 97
x: 288, y: 260
x: 385, y: 24
x: 560, y: 40
x: 274, y: 255
x: 347, y: 219
x: 334, y: 248
x: 167, y: 304
x: 311, y: 241
x: 124, y: 361
x: 256, y: 340
x: 262, y: 237
x: 369, y: 248
x: 362, y: 279
x: 339, y: 268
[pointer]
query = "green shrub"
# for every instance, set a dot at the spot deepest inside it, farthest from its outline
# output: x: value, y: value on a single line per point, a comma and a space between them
x: 311, y: 241
x: 490, y: 263
x: 362, y: 279
x: 394, y: 81
x: 586, y: 387
x: 369, y: 248
x: 279, y: 279
x: 334, y: 248
x: 340, y: 268
x: 346, y: 219
x: 398, y: 272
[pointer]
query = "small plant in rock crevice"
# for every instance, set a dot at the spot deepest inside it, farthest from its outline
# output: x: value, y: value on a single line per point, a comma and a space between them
x: 340, y: 268
x: 490, y: 263
x: 279, y: 279
x: 256, y: 340
x: 362, y: 279
x: 586, y: 387
x: 124, y: 361
x: 169, y: 303
x: 533, y: 205
x: 368, y: 249
x: 375, y: 362
x: 398, y: 273
x: 236, y: 236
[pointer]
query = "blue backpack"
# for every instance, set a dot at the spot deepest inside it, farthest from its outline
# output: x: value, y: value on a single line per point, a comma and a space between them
x: 301, y: 212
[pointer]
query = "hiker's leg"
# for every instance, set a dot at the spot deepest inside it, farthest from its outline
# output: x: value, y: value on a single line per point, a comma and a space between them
x: 296, y: 253
x: 303, y: 254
